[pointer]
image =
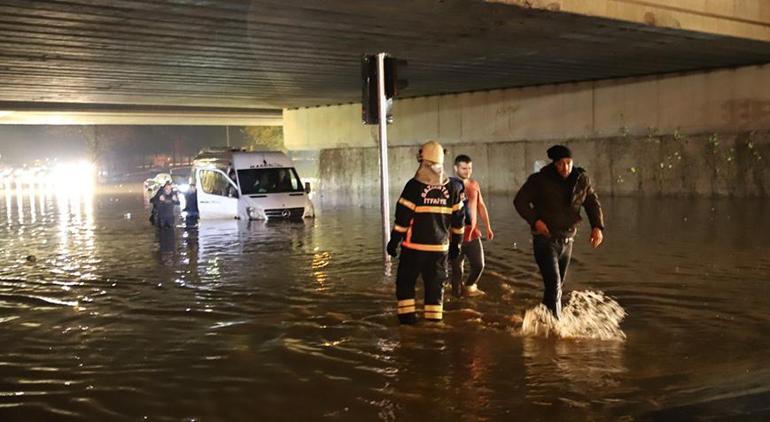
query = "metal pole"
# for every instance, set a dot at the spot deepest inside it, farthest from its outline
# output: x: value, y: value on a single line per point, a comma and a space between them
x: 384, y: 185
x: 227, y: 129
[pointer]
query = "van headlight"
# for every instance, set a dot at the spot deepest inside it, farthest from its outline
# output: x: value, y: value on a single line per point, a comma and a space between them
x: 255, y: 213
x: 309, y: 211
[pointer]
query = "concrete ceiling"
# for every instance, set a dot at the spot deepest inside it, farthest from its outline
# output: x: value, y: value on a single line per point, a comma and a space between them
x: 240, y: 55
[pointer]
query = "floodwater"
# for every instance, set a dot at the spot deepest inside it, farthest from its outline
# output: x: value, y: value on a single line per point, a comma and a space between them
x: 102, y: 317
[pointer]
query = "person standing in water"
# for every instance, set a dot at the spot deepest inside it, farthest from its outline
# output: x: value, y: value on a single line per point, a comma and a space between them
x: 475, y: 208
x: 429, y: 227
x: 191, y: 206
x: 166, y: 202
x: 550, y: 201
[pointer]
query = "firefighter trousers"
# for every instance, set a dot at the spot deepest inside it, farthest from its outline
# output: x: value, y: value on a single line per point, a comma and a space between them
x: 432, y: 266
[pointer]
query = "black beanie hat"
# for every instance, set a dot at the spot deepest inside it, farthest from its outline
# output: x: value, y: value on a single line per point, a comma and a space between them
x: 557, y: 152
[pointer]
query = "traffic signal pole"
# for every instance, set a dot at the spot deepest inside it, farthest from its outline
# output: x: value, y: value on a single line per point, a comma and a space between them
x: 384, y: 174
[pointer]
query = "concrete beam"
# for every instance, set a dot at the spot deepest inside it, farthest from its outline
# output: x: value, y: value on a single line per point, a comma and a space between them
x: 735, y: 18
x: 99, y: 114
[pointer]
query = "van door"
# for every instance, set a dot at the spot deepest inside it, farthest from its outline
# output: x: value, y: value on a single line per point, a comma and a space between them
x: 217, y: 194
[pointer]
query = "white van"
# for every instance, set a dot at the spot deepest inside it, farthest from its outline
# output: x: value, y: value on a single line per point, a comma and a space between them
x: 249, y: 185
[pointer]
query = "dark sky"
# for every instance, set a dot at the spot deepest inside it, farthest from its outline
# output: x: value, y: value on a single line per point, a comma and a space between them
x: 21, y: 144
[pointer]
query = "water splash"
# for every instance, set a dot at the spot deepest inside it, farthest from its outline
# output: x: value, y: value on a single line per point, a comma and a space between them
x: 587, y: 315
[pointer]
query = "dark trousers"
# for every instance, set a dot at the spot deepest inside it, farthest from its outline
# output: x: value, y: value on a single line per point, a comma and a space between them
x: 165, y: 215
x: 552, y: 256
x: 432, y: 267
x: 191, y: 219
x: 475, y: 253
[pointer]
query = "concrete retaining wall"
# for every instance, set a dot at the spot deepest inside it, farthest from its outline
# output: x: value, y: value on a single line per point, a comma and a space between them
x: 670, y: 165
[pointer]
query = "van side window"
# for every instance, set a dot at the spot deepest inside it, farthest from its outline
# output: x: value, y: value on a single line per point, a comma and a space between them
x: 215, y: 183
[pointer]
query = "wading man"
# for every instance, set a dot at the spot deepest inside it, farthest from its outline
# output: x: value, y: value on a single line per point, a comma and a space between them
x: 475, y: 209
x: 429, y: 226
x: 550, y: 201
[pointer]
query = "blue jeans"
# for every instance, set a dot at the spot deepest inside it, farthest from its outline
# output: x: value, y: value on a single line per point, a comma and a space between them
x: 552, y: 256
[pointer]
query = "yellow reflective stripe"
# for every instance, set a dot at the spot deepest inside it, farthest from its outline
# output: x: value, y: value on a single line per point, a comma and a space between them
x: 433, y: 312
x: 400, y: 229
x: 457, y: 206
x: 406, y: 306
x: 426, y: 248
x: 433, y: 209
x: 458, y: 231
x: 407, y: 203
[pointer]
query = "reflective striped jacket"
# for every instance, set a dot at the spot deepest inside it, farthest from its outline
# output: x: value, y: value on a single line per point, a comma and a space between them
x: 427, y: 214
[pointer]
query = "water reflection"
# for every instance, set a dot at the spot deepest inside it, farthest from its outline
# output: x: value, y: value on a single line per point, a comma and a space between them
x: 235, y: 320
x: 27, y: 218
x: 43, y: 201
x: 219, y: 237
x: 190, y: 256
x: 321, y: 260
x: 8, y: 203
x: 569, y: 371
x: 32, y: 198
x: 167, y: 240
x: 20, y: 203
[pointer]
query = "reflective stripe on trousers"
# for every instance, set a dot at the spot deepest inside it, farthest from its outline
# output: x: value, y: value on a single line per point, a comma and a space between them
x: 432, y: 267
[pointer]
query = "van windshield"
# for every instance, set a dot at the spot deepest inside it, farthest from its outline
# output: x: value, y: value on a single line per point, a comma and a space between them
x: 269, y: 180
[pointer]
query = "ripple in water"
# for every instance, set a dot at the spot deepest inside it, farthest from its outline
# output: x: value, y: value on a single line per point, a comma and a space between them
x: 587, y: 315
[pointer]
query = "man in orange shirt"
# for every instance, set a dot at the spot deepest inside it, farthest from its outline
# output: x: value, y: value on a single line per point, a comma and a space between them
x: 475, y: 208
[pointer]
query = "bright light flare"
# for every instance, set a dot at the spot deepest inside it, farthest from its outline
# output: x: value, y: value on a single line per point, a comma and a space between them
x: 73, y: 178
x: 70, y: 179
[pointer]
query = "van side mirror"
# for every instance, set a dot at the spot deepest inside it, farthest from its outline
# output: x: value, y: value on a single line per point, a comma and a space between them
x: 307, y: 187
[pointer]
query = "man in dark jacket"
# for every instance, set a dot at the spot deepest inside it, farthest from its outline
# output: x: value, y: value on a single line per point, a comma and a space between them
x: 165, y: 205
x: 550, y: 201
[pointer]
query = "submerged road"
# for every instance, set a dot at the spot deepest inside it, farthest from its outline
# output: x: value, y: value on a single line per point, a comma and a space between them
x: 104, y: 318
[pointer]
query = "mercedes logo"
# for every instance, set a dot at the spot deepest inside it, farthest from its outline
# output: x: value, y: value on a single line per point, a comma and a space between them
x: 285, y: 213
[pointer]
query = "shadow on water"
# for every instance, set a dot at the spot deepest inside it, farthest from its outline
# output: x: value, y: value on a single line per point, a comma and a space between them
x: 235, y: 320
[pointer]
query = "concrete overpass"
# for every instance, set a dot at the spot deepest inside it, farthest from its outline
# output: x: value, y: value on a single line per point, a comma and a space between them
x: 657, y: 97
x: 231, y: 62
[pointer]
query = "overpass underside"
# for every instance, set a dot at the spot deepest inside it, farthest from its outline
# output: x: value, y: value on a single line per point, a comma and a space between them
x: 500, y: 78
x: 247, y: 56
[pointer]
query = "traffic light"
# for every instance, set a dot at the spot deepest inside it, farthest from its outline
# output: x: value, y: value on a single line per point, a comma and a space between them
x: 392, y: 84
x: 369, y: 107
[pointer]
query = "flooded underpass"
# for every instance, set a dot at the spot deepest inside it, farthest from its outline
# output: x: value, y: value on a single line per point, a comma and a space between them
x: 106, y: 318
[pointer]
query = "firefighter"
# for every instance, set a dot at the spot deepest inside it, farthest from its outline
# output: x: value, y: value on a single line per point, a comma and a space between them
x: 429, y: 227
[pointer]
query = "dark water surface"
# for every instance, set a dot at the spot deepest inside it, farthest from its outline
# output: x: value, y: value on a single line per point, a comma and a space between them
x: 112, y: 320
